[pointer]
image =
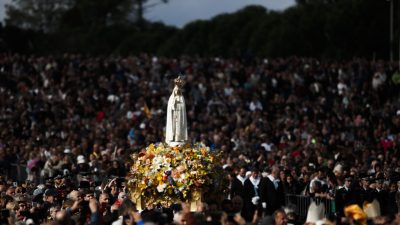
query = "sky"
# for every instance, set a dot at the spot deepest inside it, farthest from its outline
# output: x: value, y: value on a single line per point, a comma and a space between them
x: 180, y: 12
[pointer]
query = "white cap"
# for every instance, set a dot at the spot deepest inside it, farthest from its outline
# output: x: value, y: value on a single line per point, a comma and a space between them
x: 129, y: 115
x: 264, y: 174
x: 29, y: 222
x: 80, y: 159
x: 67, y: 151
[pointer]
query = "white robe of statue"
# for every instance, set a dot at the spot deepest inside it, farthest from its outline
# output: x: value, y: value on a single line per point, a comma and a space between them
x: 176, y: 130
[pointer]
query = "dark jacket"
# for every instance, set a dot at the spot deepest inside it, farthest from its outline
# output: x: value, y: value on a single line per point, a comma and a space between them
x: 273, y: 197
x: 344, y: 198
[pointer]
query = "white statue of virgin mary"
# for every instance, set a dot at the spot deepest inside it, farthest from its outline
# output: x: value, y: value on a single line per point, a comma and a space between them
x: 176, y: 130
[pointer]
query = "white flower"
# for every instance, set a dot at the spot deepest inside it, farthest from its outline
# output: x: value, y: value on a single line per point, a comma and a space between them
x: 161, y: 187
x: 156, y: 167
x: 157, y: 160
x: 183, y: 176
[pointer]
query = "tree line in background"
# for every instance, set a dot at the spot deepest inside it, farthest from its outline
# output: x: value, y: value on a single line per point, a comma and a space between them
x: 336, y: 29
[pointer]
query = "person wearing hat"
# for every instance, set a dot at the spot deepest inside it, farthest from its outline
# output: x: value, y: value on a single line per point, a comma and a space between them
x: 82, y: 167
x: 67, y: 151
x: 380, y: 194
x: 80, y: 159
x: 37, y: 210
x: 58, y: 181
x: 37, y: 197
x: 345, y: 196
x: 392, y: 208
x: 49, y: 199
x: 365, y: 192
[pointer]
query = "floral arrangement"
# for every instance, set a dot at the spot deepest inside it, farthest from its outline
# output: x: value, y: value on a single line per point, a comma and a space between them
x: 164, y: 174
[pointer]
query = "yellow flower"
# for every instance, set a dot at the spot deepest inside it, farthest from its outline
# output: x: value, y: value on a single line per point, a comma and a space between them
x: 356, y: 213
x: 148, y: 173
x: 150, y: 148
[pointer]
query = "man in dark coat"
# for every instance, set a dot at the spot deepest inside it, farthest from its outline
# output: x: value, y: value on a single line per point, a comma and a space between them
x: 364, y: 194
x: 381, y: 195
x: 345, y: 196
x: 271, y: 192
x: 241, y: 186
x: 253, y: 205
x: 391, y: 205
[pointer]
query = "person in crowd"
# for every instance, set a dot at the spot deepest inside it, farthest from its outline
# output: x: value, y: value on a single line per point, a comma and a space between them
x: 271, y: 192
x: 49, y: 199
x: 391, y: 205
x: 82, y: 116
x: 320, y: 178
x: 345, y: 196
x: 381, y: 194
x: 242, y: 187
x: 290, y: 185
x: 253, y: 206
x: 280, y: 217
x: 365, y: 193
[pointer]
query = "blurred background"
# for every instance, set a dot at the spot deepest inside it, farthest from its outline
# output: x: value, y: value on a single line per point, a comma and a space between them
x: 227, y: 28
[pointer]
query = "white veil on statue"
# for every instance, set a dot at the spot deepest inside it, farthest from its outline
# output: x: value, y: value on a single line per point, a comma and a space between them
x: 176, y: 130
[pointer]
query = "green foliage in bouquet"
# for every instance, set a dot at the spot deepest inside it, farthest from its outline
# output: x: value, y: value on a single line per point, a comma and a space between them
x: 164, y: 175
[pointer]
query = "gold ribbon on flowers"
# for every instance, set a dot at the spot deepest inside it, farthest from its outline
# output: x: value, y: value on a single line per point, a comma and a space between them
x: 356, y: 213
x: 195, y: 200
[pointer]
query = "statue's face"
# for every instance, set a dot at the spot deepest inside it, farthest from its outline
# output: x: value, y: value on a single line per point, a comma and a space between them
x: 177, y: 91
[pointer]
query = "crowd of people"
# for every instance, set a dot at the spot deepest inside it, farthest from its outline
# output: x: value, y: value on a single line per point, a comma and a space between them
x: 329, y: 130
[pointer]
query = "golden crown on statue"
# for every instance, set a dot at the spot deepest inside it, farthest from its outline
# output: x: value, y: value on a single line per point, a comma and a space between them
x: 179, y: 82
x: 174, y: 171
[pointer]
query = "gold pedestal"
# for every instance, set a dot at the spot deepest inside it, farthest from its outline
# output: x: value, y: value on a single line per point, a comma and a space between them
x: 195, y: 200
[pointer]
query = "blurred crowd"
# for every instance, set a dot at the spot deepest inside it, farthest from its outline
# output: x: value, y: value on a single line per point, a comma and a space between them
x: 328, y: 130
